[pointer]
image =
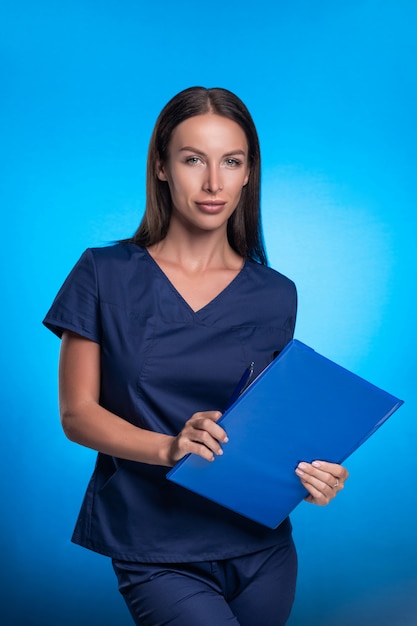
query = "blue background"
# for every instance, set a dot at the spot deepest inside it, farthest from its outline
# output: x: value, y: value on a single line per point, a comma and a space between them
x: 332, y: 89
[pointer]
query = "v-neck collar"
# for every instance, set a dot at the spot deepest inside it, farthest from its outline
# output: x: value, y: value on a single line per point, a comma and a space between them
x: 178, y: 294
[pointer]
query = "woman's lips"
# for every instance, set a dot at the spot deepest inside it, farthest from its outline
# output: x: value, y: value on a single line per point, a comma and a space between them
x: 211, y: 206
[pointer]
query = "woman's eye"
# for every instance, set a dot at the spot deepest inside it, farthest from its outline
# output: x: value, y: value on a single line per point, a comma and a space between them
x: 232, y: 162
x: 193, y: 160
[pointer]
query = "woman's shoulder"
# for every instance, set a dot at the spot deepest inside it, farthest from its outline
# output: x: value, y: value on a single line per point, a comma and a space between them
x: 114, y: 258
x: 119, y: 251
x: 269, y: 276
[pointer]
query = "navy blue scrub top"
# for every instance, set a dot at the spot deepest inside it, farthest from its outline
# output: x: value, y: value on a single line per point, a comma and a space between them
x: 160, y: 363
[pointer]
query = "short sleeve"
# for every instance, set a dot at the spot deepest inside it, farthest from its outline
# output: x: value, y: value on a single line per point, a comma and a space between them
x: 76, y: 306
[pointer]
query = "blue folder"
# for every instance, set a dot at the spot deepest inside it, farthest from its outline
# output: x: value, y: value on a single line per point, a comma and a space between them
x: 302, y: 407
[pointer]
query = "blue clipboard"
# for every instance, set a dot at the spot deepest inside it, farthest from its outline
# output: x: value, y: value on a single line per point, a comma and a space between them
x: 302, y: 407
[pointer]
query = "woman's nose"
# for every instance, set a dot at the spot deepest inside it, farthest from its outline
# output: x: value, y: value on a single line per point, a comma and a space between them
x: 213, y: 182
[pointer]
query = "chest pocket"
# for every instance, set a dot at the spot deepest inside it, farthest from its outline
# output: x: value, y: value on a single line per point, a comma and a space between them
x: 263, y: 344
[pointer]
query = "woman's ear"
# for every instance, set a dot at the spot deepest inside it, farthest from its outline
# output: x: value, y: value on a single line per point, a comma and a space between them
x: 160, y: 170
x: 246, y: 179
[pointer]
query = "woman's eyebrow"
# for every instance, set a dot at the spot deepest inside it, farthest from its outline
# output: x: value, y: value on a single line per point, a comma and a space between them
x: 201, y: 153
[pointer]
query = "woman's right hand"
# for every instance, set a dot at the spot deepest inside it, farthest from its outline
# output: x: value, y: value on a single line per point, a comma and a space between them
x: 201, y: 435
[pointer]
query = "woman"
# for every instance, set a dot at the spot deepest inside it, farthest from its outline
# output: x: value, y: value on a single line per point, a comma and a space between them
x: 156, y: 332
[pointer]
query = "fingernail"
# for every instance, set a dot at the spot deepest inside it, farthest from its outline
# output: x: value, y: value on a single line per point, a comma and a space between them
x: 226, y: 439
x: 316, y: 463
x: 302, y: 466
x: 299, y: 472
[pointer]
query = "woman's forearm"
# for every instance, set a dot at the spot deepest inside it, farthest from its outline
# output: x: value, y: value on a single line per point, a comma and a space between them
x: 90, y: 425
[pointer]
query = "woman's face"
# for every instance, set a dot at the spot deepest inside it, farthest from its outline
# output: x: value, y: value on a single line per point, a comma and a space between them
x: 206, y: 169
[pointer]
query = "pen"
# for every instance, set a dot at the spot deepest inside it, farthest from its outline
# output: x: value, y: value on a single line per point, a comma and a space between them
x: 241, y: 386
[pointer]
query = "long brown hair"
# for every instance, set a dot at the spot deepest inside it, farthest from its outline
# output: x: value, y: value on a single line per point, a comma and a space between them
x: 244, y: 229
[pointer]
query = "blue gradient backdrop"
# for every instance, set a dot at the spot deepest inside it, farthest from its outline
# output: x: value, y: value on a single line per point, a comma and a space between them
x: 332, y: 88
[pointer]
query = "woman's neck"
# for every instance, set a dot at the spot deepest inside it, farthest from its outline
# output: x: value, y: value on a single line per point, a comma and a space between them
x: 196, y: 252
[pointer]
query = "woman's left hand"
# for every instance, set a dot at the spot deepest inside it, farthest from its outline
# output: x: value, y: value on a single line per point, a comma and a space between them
x: 322, y: 480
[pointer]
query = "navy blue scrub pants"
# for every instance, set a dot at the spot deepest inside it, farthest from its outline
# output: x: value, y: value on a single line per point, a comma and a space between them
x: 252, y: 590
